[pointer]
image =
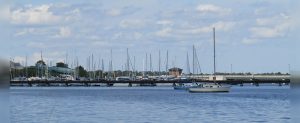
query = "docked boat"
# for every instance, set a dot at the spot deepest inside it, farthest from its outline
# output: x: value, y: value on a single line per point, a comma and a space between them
x: 209, y: 87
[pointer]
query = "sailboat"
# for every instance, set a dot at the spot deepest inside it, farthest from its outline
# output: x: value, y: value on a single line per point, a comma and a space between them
x: 210, y: 87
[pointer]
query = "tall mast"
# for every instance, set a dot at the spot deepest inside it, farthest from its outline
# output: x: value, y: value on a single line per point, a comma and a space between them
x: 111, y: 63
x: 143, y: 67
x: 167, y: 62
x: 214, y: 35
x: 134, y: 69
x: 127, y: 60
x: 188, y: 63
x: 146, y: 66
x: 193, y: 59
x: 159, y: 62
x: 150, y: 63
x: 26, y: 69
x: 102, y: 68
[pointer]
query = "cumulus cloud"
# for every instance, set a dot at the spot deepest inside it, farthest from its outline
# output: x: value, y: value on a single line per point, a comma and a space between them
x: 272, y: 27
x: 164, y: 32
x: 164, y: 22
x: 64, y: 32
x: 19, y: 59
x: 31, y: 31
x: 131, y: 23
x: 39, y: 45
x: 211, y: 8
x: 249, y: 41
x: 114, y: 12
x: 34, y: 15
x: 270, y: 21
x: 269, y: 27
x: 220, y: 26
x: 264, y: 32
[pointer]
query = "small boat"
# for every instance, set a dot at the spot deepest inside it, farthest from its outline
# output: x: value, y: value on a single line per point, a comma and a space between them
x: 209, y: 88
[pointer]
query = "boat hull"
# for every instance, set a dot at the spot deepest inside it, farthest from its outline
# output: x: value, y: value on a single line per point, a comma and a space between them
x: 209, y: 90
x: 181, y: 88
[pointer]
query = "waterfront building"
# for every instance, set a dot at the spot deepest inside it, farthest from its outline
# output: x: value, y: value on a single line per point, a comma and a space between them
x: 175, y: 71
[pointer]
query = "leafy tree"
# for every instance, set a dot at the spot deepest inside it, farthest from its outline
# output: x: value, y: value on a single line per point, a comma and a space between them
x: 82, y: 72
x: 61, y: 64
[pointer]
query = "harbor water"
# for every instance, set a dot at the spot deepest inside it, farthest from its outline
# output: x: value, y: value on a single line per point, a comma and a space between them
x: 148, y: 104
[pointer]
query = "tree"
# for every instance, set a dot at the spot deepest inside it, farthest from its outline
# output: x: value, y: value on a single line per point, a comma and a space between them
x: 82, y: 72
x: 40, y: 62
x: 61, y: 64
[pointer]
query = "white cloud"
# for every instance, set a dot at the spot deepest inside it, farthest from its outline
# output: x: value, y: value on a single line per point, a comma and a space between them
x: 270, y: 21
x: 19, y: 59
x: 31, y: 31
x: 210, y: 8
x: 269, y: 27
x: 165, y: 22
x: 75, y: 14
x: 131, y: 23
x: 36, y: 45
x: 272, y: 27
x: 223, y: 26
x: 220, y: 26
x: 114, y: 12
x: 164, y: 32
x: 48, y: 57
x: 264, y: 32
x: 64, y: 32
x: 250, y: 41
x: 34, y: 15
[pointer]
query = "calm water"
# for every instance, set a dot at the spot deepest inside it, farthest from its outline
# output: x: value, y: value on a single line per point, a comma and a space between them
x: 148, y: 104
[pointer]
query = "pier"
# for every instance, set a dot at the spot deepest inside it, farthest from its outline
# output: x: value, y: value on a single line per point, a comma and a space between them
x: 226, y: 79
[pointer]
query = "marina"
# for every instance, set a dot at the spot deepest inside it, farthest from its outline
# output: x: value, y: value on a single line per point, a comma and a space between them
x: 149, y: 61
x: 94, y: 75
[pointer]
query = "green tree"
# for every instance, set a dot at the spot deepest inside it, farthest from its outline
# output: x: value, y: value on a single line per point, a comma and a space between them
x: 61, y: 64
x: 82, y: 72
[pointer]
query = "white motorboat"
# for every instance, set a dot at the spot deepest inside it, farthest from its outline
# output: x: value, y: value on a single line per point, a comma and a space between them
x: 209, y: 87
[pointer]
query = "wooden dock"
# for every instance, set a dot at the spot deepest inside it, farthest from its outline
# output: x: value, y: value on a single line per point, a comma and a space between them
x: 147, y: 82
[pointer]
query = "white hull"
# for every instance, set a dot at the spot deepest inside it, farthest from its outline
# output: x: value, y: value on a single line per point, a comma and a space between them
x: 208, y: 90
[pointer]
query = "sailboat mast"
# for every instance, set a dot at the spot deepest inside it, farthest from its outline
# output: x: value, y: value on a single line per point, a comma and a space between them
x: 188, y: 63
x: 26, y: 68
x: 167, y: 62
x: 214, y: 36
x: 159, y: 62
x: 193, y: 59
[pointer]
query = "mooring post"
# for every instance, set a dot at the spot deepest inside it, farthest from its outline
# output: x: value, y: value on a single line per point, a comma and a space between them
x: 129, y: 84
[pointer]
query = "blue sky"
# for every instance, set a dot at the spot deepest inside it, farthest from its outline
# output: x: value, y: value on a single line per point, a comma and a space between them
x: 252, y: 35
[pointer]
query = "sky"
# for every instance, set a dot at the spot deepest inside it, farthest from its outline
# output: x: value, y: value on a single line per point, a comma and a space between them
x: 251, y: 35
